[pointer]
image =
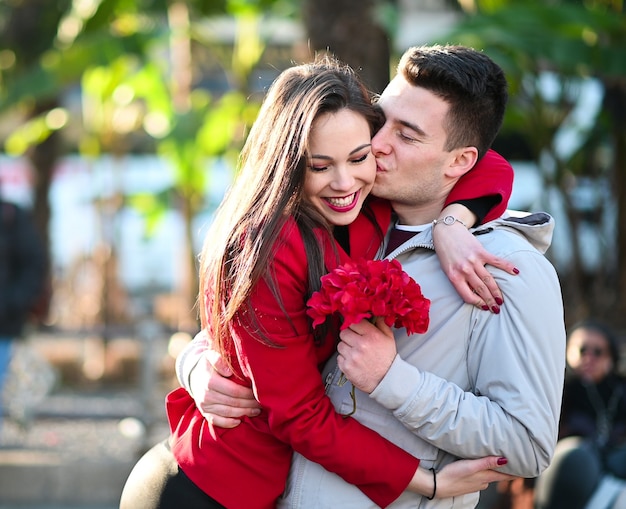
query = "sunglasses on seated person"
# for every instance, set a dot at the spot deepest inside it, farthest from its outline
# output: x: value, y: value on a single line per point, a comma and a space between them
x: 595, y: 351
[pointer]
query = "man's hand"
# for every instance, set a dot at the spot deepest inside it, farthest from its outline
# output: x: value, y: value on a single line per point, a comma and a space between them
x: 220, y: 400
x: 366, y: 352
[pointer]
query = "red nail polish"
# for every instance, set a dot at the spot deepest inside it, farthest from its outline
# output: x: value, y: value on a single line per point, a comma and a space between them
x: 485, y: 308
x: 495, y: 309
x: 499, y: 301
x: 515, y: 270
x: 502, y: 461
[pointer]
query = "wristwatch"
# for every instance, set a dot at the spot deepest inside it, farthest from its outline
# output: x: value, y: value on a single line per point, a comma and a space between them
x: 448, y: 220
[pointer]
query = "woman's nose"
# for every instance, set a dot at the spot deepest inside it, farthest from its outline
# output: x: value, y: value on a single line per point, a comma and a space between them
x: 343, y: 180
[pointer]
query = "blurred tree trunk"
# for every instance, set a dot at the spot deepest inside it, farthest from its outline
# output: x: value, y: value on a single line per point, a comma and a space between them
x: 349, y: 30
x: 615, y: 106
x: 181, y: 59
x: 30, y: 28
x: 43, y: 158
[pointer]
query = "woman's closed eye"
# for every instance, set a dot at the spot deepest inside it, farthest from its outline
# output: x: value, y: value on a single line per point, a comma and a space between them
x: 317, y: 168
x: 357, y: 160
x: 361, y: 158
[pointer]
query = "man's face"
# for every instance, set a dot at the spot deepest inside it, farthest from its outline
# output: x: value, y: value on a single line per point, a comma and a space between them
x: 410, y: 154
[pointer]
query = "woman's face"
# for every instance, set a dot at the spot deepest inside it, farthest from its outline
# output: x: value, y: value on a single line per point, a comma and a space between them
x: 340, y: 166
x: 588, y: 353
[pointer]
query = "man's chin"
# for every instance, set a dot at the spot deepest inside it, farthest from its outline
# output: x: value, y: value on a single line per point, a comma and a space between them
x: 380, y: 191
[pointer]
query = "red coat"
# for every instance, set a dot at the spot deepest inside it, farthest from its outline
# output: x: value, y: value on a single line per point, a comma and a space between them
x: 246, y: 467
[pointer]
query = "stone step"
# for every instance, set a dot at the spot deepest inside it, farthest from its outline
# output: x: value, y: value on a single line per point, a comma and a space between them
x: 32, y: 477
x: 77, y: 454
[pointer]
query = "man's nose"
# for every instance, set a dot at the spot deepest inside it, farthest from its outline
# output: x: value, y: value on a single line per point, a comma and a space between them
x: 380, y: 144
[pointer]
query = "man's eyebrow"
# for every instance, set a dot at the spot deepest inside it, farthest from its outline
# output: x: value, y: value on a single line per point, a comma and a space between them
x: 412, y: 126
x: 360, y: 147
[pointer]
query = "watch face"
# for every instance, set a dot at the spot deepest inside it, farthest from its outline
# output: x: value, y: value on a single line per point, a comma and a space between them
x: 448, y: 220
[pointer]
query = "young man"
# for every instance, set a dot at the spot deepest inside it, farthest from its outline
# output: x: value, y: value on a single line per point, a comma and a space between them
x: 475, y: 383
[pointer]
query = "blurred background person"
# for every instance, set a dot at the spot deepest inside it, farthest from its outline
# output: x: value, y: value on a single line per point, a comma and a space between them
x: 592, y: 431
x: 594, y: 398
x: 22, y: 279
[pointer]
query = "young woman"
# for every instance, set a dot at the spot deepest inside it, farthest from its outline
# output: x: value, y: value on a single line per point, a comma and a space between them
x: 305, y: 173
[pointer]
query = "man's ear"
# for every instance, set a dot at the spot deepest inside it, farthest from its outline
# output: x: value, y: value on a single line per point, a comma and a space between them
x: 463, y: 160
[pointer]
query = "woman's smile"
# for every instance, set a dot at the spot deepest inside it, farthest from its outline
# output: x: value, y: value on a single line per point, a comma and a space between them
x: 343, y: 203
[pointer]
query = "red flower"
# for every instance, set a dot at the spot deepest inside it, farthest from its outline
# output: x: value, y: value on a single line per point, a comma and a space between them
x: 369, y: 289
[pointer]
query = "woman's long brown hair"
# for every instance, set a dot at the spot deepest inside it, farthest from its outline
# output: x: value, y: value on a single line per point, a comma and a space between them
x: 268, y: 190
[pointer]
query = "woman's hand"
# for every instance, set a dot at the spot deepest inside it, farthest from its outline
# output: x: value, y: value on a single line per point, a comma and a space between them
x: 463, y: 259
x: 459, y: 477
x: 468, y: 476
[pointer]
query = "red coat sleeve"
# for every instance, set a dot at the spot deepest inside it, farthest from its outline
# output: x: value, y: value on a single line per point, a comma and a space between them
x: 492, y: 175
x: 286, y: 380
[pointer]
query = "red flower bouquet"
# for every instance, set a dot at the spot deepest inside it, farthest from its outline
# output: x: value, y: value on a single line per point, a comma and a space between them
x: 371, y: 289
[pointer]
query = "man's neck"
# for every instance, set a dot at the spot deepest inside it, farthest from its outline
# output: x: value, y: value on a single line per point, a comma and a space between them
x: 416, y: 215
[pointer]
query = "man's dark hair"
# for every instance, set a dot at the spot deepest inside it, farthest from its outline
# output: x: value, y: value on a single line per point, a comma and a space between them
x: 472, y: 84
